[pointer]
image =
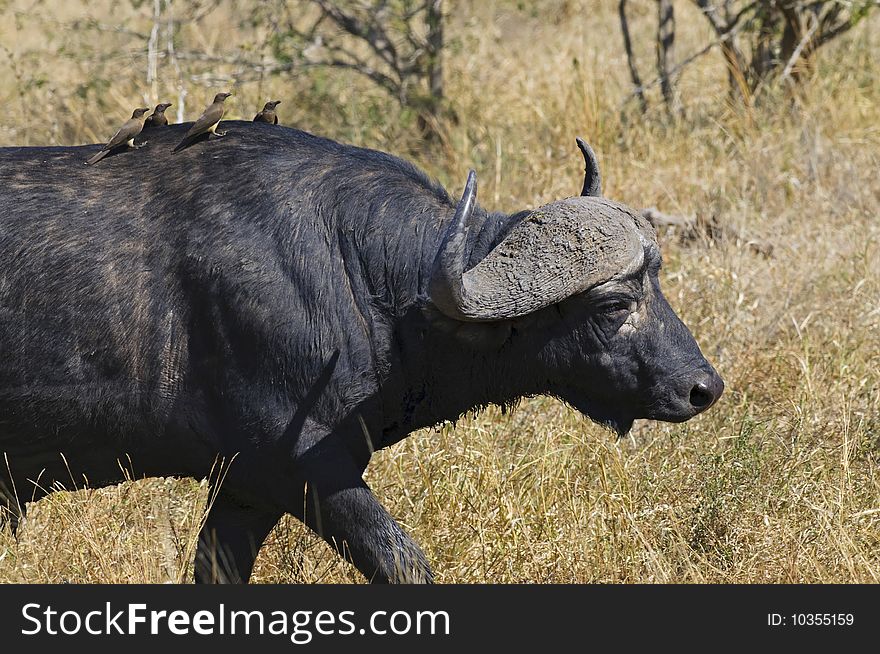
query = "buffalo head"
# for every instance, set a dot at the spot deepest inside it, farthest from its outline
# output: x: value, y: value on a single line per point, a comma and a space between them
x: 577, y: 280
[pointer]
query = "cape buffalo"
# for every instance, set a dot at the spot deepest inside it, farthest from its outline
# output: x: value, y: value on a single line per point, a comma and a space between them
x: 292, y: 304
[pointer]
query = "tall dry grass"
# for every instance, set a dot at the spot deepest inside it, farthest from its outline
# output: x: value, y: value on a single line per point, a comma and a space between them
x: 777, y: 483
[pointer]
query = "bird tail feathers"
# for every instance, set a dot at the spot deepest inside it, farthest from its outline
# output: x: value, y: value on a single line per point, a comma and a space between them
x: 95, y: 159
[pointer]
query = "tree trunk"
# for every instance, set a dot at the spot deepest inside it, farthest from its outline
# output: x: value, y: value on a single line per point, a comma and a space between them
x: 630, y: 57
x: 427, y: 119
x: 434, y: 20
x: 665, y: 46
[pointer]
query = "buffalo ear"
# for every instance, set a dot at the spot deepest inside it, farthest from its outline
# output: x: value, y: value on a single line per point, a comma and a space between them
x: 592, y: 177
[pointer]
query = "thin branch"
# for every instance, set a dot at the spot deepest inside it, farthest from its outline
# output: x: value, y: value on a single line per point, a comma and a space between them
x: 678, y: 67
x: 379, y: 78
x: 415, y: 40
x: 786, y: 72
x: 260, y: 68
x: 844, y: 26
x: 94, y: 25
x: 353, y: 62
x: 709, y: 11
x: 373, y: 34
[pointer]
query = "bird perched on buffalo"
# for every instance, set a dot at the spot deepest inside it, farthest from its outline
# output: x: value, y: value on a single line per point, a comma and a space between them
x: 206, y: 123
x: 124, y: 136
x: 268, y: 115
x: 157, y: 118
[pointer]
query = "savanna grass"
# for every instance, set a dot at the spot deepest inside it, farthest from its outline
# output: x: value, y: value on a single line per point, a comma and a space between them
x: 777, y: 483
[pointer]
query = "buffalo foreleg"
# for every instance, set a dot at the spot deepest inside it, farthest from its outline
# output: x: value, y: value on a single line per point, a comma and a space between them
x: 230, y: 539
x: 350, y: 518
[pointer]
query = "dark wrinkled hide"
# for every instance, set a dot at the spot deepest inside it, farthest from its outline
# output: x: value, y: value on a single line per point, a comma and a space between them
x: 264, y: 298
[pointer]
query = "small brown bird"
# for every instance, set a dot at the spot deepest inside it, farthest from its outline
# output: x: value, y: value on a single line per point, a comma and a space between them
x: 157, y: 118
x: 207, y: 122
x: 267, y: 115
x: 124, y: 136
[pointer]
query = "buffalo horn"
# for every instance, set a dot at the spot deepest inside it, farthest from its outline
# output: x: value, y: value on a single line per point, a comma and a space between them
x: 592, y: 177
x: 557, y: 251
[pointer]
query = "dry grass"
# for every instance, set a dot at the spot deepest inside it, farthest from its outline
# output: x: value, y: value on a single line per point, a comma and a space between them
x: 778, y: 483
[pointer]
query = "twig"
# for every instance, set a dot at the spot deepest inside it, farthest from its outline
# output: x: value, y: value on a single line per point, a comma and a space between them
x: 675, y: 69
x: 373, y: 34
x: 786, y: 72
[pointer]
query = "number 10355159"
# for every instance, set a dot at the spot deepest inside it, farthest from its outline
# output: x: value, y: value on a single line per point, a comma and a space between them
x: 810, y: 620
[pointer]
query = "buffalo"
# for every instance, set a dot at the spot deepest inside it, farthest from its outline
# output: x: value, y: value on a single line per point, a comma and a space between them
x: 288, y: 305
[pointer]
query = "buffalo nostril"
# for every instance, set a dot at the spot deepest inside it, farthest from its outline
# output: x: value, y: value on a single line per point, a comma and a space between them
x: 702, y: 397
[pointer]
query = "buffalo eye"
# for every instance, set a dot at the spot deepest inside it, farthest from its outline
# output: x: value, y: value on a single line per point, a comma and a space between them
x: 613, y: 307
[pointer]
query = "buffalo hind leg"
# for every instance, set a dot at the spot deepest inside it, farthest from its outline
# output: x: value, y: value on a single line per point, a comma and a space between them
x: 229, y: 541
x: 357, y: 526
